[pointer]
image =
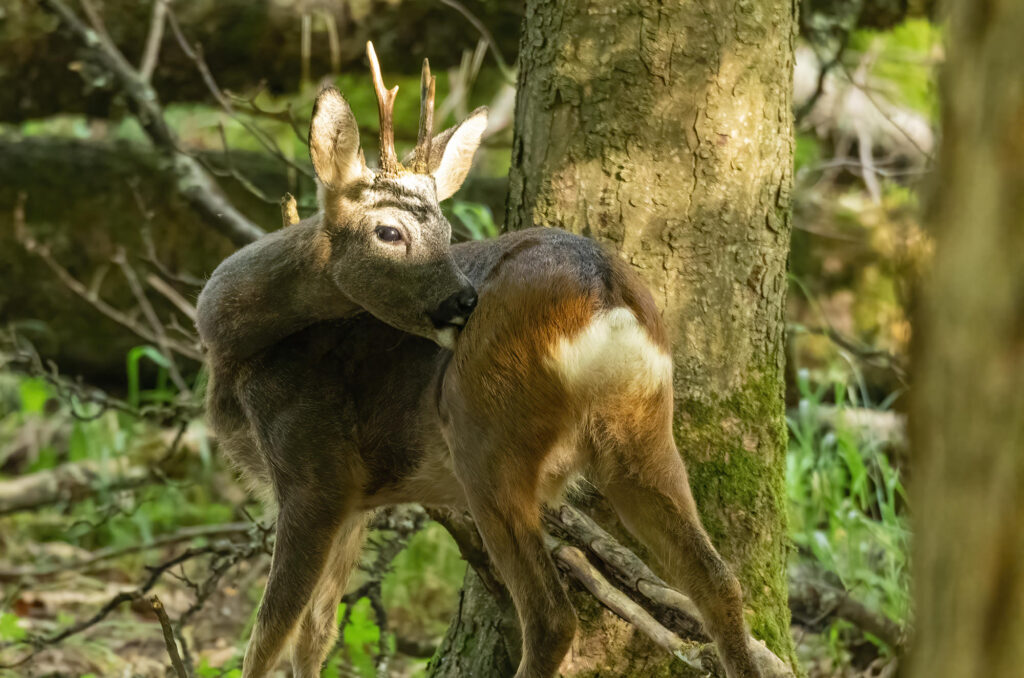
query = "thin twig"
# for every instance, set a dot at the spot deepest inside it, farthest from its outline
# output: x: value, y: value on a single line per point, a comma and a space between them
x: 195, y: 54
x: 74, y: 393
x: 162, y: 340
x: 87, y: 564
x: 507, y: 73
x: 172, y: 295
x: 875, y: 357
x: 809, y: 597
x: 169, y: 641
x: 619, y: 603
x: 197, y: 187
x: 285, y: 115
x: 151, y: 53
x: 631, y: 571
x: 116, y: 601
x: 154, y: 334
x: 106, y: 309
x: 823, y: 72
x: 884, y: 113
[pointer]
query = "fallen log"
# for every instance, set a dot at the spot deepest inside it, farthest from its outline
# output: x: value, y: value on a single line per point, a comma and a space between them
x: 65, y: 483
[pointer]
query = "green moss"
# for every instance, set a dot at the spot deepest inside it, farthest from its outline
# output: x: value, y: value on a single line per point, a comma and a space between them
x: 735, y: 448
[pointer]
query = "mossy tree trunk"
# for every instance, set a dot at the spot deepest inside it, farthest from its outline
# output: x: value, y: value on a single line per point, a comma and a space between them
x: 664, y: 130
x: 967, y: 413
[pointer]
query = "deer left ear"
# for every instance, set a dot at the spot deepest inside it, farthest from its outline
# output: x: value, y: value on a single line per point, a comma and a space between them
x: 334, y: 141
x: 451, y: 153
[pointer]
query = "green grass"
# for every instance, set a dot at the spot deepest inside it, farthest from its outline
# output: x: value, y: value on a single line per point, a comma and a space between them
x: 108, y: 441
x: 847, y: 502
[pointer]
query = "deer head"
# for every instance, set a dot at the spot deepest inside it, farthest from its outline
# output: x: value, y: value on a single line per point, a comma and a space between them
x: 387, y: 245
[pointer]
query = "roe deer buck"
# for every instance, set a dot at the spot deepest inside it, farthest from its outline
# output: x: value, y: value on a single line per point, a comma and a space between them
x: 326, y: 391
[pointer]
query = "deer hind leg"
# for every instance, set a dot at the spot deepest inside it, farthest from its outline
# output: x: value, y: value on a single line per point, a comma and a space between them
x: 644, y: 478
x: 307, y: 524
x: 506, y: 508
x: 318, y: 629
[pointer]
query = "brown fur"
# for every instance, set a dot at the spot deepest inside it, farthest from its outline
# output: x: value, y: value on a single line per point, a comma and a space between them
x: 562, y: 369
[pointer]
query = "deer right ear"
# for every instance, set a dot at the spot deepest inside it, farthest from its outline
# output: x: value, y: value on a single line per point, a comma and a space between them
x: 451, y: 153
x: 334, y: 141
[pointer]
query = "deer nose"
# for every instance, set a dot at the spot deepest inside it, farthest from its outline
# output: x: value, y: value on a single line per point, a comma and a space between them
x: 455, y: 309
x: 466, y: 299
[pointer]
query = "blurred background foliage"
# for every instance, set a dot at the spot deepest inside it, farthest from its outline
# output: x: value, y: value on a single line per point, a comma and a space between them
x: 865, y: 104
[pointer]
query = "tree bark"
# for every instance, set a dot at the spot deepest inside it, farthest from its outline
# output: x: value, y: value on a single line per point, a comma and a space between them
x: 666, y: 133
x: 967, y: 410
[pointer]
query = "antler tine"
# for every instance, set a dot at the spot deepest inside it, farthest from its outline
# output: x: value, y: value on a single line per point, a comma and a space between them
x: 386, y: 108
x: 427, y: 82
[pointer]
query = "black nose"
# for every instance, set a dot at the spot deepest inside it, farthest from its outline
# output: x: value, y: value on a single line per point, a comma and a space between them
x: 466, y: 299
x: 455, y: 309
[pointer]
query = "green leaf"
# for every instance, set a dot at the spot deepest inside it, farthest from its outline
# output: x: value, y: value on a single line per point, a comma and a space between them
x: 135, y: 356
x: 477, y: 219
x: 9, y: 629
x: 33, y: 394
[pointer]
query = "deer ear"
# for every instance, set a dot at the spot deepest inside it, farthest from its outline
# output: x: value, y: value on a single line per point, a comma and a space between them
x: 451, y: 153
x: 334, y: 141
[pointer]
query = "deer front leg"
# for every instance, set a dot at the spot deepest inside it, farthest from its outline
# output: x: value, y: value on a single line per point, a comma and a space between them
x: 507, y: 513
x: 307, y: 524
x: 319, y: 629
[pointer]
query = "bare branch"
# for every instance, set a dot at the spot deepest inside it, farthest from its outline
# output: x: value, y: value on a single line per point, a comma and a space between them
x: 172, y: 295
x: 193, y: 182
x: 67, y: 482
x: 162, y: 341
x: 823, y: 71
x: 151, y: 53
x: 619, y: 603
x: 195, y: 53
x: 228, y: 530
x: 818, y: 601
x: 95, y: 19
x: 506, y: 72
x: 285, y: 115
x: 875, y: 357
x: 169, y: 641
x: 333, y: 40
x: 154, y: 334
x: 222, y: 549
x: 106, y: 309
x: 75, y: 394
x: 633, y: 573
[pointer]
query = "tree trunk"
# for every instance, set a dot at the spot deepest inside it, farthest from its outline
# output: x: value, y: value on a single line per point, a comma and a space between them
x: 665, y: 132
x: 967, y: 413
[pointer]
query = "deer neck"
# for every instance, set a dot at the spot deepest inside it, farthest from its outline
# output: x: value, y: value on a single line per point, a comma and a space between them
x: 269, y: 290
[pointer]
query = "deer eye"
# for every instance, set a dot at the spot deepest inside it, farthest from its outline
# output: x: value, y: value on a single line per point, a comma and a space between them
x: 388, y: 233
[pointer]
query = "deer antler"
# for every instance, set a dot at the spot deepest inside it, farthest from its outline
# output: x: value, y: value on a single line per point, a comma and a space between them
x: 386, y: 108
x: 427, y: 82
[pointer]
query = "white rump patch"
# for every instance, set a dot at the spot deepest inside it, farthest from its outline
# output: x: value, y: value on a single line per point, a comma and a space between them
x: 613, y: 351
